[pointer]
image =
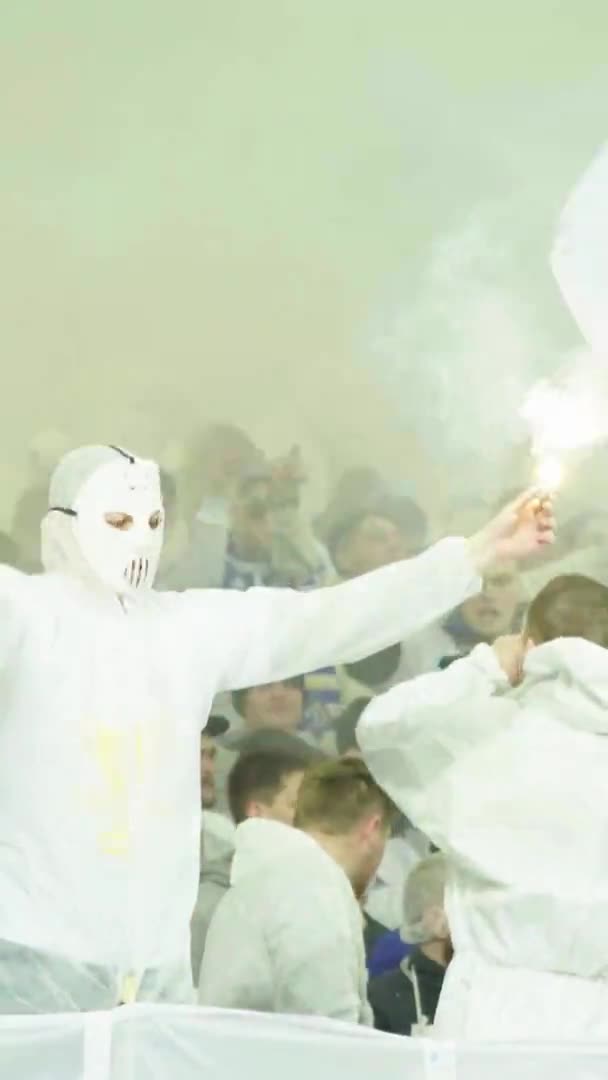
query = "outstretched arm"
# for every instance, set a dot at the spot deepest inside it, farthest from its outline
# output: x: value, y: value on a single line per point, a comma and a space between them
x: 271, y: 634
x: 264, y: 635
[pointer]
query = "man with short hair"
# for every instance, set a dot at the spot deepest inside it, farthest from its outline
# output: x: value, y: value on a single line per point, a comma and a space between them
x: 265, y: 785
x: 288, y: 936
x: 404, y: 849
x: 261, y: 784
x: 216, y: 725
x: 502, y: 760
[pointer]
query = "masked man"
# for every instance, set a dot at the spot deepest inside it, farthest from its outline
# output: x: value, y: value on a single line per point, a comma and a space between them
x: 105, y: 687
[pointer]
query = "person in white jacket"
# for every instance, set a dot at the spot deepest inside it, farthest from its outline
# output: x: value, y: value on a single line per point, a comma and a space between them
x: 288, y: 935
x: 502, y: 760
x: 106, y: 685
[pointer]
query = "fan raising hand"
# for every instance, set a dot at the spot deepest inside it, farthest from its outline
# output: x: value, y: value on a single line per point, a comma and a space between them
x: 523, y: 528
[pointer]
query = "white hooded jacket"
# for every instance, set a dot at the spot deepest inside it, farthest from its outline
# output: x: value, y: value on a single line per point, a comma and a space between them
x: 288, y: 935
x: 512, y: 785
x: 102, y: 707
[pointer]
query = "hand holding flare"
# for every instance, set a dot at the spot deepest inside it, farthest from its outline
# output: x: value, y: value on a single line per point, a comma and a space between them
x: 523, y: 528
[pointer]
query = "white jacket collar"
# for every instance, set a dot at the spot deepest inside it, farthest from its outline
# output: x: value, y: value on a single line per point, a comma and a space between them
x: 259, y: 842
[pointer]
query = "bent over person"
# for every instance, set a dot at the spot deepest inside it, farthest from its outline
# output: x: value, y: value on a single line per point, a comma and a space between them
x: 502, y: 760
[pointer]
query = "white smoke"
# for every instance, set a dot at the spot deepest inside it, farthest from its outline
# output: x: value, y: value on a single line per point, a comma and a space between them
x: 570, y: 411
x: 475, y: 350
x: 458, y: 353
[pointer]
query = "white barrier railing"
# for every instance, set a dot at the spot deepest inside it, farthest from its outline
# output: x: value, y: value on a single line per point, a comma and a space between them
x: 159, y: 1042
x: 146, y: 1042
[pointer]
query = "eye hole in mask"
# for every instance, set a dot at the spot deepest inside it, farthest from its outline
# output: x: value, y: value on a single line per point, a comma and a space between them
x: 119, y: 521
x: 123, y: 522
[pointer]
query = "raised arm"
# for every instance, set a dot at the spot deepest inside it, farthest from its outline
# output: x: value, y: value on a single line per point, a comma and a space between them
x: 413, y: 735
x: 271, y: 634
x: 397, y: 716
x: 264, y: 635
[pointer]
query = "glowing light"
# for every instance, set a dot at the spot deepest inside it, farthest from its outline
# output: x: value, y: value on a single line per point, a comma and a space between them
x: 566, y: 416
x: 549, y: 474
x: 570, y: 412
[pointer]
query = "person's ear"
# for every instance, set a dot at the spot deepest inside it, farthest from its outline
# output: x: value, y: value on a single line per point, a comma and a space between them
x: 372, y: 825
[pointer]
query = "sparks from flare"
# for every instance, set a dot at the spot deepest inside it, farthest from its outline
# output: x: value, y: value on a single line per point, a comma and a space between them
x: 563, y: 416
x: 568, y: 413
x: 549, y: 474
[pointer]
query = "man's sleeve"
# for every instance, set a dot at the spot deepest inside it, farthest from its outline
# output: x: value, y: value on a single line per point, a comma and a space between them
x: 414, y: 736
x: 264, y: 635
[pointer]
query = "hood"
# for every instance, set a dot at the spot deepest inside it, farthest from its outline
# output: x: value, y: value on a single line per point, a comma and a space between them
x: 76, y: 542
x: 570, y: 677
x: 260, y: 843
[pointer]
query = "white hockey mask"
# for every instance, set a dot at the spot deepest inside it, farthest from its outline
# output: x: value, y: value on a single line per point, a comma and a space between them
x: 118, y: 523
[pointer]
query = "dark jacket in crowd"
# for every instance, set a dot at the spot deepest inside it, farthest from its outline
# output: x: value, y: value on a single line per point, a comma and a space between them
x: 373, y: 931
x: 391, y: 996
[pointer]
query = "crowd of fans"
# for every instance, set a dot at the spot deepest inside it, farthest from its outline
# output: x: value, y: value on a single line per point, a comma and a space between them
x: 273, y: 927
x: 316, y: 894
